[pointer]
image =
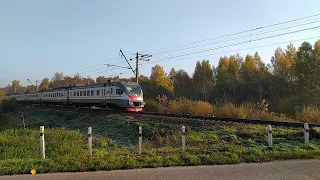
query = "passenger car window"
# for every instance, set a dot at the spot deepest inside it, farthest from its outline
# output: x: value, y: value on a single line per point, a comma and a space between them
x: 119, y: 91
x: 98, y: 92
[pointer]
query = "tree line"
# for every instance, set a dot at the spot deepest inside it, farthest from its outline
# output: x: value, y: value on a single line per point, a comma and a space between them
x: 293, y: 72
x: 236, y: 79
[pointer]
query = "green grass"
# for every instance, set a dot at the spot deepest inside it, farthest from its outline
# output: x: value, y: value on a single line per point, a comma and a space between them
x: 115, y: 140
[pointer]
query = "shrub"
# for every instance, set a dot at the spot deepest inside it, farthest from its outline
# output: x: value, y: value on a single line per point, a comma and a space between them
x: 203, y: 108
x: 261, y: 115
x: 9, y: 105
x: 292, y: 104
x: 309, y: 114
x: 231, y: 110
x: 181, y: 106
x: 186, y: 106
x: 152, y: 106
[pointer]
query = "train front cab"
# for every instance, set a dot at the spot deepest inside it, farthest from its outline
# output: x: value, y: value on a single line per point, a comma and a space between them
x: 135, y: 97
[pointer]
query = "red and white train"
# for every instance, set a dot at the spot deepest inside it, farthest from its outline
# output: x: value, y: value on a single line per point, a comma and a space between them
x: 115, y: 95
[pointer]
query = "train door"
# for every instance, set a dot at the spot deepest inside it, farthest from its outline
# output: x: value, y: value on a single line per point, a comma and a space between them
x: 109, y: 95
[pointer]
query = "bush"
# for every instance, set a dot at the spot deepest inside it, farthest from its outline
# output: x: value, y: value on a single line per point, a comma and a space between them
x: 296, y: 103
x: 186, y: 106
x: 231, y: 110
x: 152, y: 106
x: 309, y: 114
x: 261, y: 115
x: 180, y: 106
x: 203, y: 108
x: 10, y: 105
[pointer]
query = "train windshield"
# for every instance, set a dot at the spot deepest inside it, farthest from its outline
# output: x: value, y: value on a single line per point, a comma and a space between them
x: 133, y: 89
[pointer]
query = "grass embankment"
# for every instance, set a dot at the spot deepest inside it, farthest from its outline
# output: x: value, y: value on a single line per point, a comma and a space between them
x: 115, y: 139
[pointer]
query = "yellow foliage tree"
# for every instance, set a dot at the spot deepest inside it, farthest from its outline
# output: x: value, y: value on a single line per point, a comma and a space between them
x: 159, y: 77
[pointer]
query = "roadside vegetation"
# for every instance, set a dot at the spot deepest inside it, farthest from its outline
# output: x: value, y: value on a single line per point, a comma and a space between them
x: 307, y: 114
x: 115, y: 139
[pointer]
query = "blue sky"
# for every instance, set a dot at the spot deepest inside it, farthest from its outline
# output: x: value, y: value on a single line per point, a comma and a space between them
x: 39, y: 38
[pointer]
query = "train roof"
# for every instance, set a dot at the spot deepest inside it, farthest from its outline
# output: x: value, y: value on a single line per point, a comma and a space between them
x: 120, y: 83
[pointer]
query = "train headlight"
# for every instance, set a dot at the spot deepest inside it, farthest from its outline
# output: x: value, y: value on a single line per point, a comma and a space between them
x: 130, y: 102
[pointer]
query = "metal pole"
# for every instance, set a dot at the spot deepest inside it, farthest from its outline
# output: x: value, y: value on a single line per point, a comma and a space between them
x: 183, y: 139
x: 270, y: 135
x: 140, y: 139
x: 90, y: 140
x: 42, y: 145
x: 137, y: 68
x: 306, y: 134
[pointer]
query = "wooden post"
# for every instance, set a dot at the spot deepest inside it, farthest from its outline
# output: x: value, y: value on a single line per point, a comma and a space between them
x: 270, y: 135
x: 90, y: 140
x: 306, y: 134
x: 140, y: 139
x: 42, y: 145
x: 183, y: 139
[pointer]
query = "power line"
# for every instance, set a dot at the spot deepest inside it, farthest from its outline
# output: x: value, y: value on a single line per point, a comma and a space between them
x: 238, y: 49
x: 236, y: 33
x: 243, y: 42
x: 241, y: 37
x: 94, y: 65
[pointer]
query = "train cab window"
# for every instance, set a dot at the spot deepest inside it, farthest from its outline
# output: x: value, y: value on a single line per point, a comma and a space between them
x: 119, y: 91
x: 80, y: 93
x: 98, y: 92
x: 92, y: 92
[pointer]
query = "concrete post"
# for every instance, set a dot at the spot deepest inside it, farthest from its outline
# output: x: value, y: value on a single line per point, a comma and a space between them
x: 183, y: 139
x: 270, y: 135
x: 42, y: 145
x: 306, y: 134
x: 90, y: 140
x: 140, y: 139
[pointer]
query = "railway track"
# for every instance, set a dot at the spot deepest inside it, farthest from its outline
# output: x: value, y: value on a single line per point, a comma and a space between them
x: 247, y: 121
x: 203, y: 118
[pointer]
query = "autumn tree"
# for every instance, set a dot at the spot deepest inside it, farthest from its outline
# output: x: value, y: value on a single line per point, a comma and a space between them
x: 248, y: 69
x: 44, y: 84
x: 261, y: 68
x: 182, y: 84
x: 57, y: 80
x: 172, y: 76
x: 306, y: 67
x: 160, y: 78
x: 2, y: 96
x: 101, y: 79
x: 283, y: 64
x: 223, y: 70
x: 234, y: 68
x: 15, y: 85
x: 203, y: 78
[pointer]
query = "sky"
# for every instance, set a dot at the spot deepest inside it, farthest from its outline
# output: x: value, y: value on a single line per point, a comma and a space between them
x: 39, y: 38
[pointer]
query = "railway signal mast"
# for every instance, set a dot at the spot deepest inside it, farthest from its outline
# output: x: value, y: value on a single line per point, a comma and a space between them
x: 140, y: 57
x: 35, y: 87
